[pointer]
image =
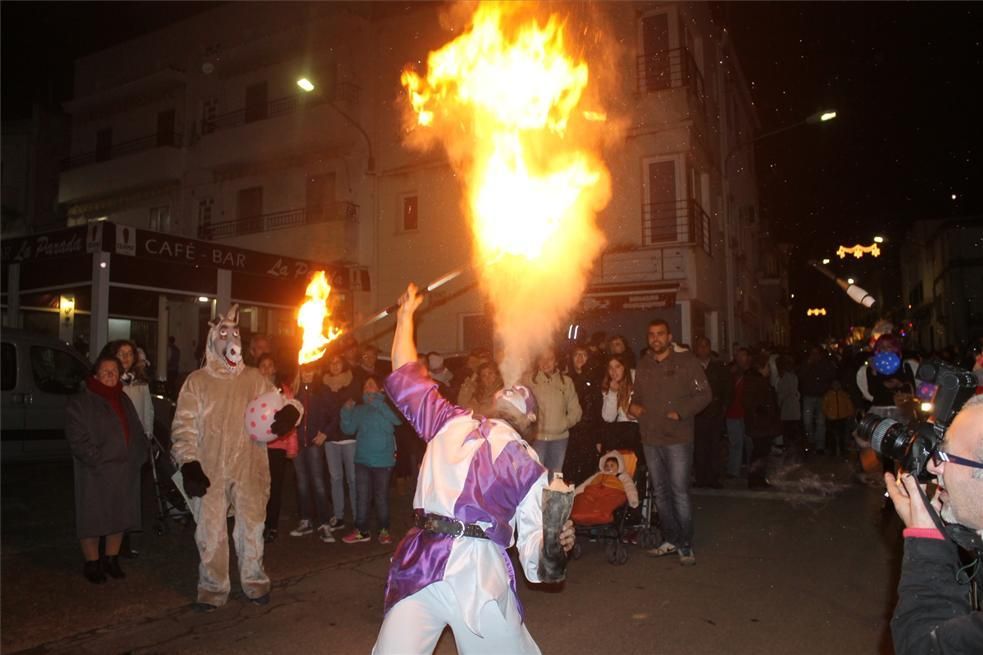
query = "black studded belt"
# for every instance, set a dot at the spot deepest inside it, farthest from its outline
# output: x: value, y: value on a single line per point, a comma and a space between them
x: 447, y: 525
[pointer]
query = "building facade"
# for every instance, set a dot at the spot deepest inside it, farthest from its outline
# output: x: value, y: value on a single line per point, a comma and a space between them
x: 200, y: 131
x: 942, y: 282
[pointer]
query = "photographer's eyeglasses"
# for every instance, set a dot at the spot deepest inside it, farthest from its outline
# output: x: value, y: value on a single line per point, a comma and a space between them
x: 939, y: 456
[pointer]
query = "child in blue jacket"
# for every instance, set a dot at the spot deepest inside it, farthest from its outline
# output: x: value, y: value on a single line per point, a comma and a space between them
x: 373, y: 423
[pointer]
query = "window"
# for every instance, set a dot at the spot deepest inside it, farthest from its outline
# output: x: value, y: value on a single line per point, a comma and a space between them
x: 8, y: 366
x: 209, y: 110
x: 160, y: 219
x: 656, y: 70
x: 411, y: 219
x: 56, y: 371
x: 165, y: 128
x: 320, y: 197
x: 205, y: 217
x: 476, y: 331
x: 661, y: 206
x: 249, y: 210
x: 256, y: 102
x: 104, y: 144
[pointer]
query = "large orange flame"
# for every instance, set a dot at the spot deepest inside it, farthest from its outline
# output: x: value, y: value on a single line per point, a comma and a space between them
x: 504, y: 100
x: 314, y: 317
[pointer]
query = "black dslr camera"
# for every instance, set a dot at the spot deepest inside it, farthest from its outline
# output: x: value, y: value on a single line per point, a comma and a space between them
x: 942, y: 389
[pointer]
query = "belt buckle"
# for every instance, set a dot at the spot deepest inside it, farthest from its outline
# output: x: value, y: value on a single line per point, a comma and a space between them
x: 461, y: 533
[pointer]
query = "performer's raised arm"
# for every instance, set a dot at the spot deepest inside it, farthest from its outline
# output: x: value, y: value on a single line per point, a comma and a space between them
x: 404, y: 348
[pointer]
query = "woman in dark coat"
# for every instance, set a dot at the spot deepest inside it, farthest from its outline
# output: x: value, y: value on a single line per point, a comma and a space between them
x: 762, y: 419
x: 105, y: 435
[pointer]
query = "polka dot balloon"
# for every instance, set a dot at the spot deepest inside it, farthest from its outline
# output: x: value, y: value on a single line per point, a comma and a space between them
x: 259, y: 416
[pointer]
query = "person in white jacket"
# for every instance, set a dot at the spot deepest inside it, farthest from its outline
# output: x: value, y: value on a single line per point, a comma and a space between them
x: 479, y: 484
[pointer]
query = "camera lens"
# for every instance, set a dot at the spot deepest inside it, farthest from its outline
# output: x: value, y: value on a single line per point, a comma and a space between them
x: 888, y: 437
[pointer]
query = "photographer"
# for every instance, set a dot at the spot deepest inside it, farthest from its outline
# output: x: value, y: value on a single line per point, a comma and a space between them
x: 935, y: 613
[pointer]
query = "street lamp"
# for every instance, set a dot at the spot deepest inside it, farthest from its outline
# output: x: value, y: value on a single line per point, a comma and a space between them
x: 305, y: 84
x: 826, y: 261
x: 730, y: 293
x: 878, y: 239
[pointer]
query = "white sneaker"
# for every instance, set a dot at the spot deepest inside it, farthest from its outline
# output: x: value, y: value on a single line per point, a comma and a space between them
x: 324, y: 533
x: 303, y: 528
x: 665, y: 549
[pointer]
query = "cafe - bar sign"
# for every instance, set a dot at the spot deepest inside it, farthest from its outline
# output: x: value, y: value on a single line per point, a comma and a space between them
x: 181, y: 250
x: 130, y: 241
x: 640, y: 297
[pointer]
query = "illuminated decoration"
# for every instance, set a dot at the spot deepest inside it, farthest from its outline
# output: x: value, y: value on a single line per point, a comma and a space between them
x: 859, y: 251
x: 816, y: 311
x: 66, y: 314
x: 314, y: 317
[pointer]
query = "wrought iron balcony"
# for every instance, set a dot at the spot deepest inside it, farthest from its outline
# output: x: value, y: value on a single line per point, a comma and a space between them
x: 115, y: 150
x: 344, y: 92
x: 681, y: 222
x: 668, y: 69
x: 336, y: 211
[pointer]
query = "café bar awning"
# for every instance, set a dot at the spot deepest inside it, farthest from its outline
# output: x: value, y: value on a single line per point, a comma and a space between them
x: 105, y: 263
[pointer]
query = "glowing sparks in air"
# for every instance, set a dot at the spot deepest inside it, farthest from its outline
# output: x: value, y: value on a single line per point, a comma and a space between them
x: 504, y: 100
x: 314, y: 318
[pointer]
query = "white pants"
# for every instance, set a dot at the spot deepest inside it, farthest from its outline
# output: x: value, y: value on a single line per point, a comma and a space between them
x: 415, y: 623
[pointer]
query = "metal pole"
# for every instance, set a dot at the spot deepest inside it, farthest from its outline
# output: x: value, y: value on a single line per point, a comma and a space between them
x: 433, y: 286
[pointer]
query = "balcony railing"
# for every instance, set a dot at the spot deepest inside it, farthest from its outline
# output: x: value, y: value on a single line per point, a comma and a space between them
x: 115, y: 150
x: 336, y: 211
x: 668, y: 69
x: 681, y: 222
x: 280, y: 106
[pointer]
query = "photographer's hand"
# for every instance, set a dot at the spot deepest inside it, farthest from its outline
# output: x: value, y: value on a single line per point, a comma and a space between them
x: 907, y: 501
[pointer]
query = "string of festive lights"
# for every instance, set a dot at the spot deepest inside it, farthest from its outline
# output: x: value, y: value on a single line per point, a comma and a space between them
x: 816, y: 311
x: 858, y: 251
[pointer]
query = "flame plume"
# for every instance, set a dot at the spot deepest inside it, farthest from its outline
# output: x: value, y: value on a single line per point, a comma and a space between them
x: 312, y: 317
x: 504, y: 99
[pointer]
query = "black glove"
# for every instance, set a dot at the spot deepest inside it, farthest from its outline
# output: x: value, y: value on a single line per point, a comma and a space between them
x: 285, y: 420
x: 196, y: 483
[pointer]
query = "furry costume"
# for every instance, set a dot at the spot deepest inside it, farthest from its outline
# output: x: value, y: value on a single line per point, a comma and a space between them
x: 209, y: 438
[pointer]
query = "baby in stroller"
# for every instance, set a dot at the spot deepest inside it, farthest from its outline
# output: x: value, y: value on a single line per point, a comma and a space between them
x: 600, y: 495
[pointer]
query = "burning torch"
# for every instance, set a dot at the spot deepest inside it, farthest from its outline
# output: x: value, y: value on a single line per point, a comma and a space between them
x: 857, y: 294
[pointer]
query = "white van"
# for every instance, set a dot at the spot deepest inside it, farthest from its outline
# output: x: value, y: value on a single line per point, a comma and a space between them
x: 39, y: 375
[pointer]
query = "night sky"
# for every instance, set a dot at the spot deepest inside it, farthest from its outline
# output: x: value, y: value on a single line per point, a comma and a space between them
x: 905, y: 80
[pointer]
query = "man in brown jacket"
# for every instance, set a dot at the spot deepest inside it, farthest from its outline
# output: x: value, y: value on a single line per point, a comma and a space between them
x: 670, y: 389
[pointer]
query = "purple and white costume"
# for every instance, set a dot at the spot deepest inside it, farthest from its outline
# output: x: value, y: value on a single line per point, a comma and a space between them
x: 478, y: 471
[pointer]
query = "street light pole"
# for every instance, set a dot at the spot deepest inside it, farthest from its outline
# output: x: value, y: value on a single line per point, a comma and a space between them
x: 818, y: 117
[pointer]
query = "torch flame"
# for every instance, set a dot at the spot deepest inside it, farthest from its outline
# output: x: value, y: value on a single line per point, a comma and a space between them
x: 312, y: 316
x: 503, y: 100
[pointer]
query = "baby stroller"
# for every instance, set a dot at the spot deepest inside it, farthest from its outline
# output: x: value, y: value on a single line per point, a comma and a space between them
x: 605, y: 514
x: 169, y: 500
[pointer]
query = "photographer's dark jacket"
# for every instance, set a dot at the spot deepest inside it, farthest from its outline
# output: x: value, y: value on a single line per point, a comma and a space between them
x: 934, y: 615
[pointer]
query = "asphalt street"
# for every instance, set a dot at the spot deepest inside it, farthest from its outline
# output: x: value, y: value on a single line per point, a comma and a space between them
x: 794, y: 570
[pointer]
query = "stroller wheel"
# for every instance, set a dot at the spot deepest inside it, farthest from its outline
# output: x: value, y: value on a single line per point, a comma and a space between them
x: 159, y: 529
x: 649, y: 540
x: 577, y: 551
x: 621, y: 555
x: 611, y: 552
